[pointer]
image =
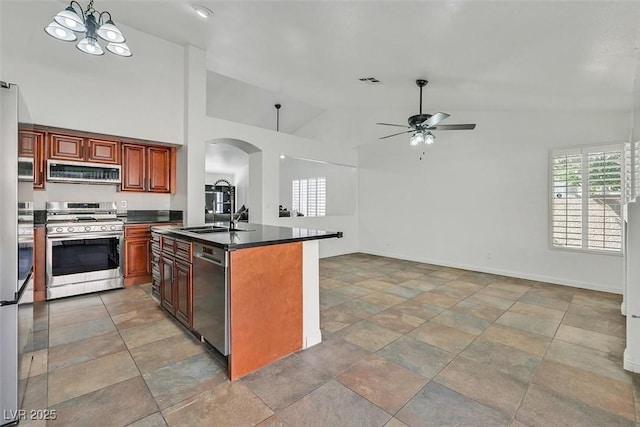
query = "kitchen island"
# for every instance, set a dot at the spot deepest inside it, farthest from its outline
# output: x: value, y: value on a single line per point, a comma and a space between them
x: 270, y: 292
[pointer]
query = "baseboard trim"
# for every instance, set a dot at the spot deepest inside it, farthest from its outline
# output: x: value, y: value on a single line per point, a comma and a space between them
x: 500, y: 272
x: 312, y: 339
x: 629, y: 364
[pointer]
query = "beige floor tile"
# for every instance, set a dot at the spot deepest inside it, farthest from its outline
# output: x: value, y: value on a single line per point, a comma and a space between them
x: 141, y: 335
x: 84, y: 350
x: 543, y: 407
x: 588, y: 359
x: 593, y: 389
x: 450, y: 339
x: 436, y: 299
x: 537, y: 311
x: 483, y: 384
x: 396, y: 320
x: 369, y: 335
x: 164, y: 352
x: 537, y: 325
x: 382, y: 382
x: 118, y: 404
x: 516, y: 338
x: 383, y: 299
x: 590, y: 339
x: 74, y: 381
x: 229, y: 404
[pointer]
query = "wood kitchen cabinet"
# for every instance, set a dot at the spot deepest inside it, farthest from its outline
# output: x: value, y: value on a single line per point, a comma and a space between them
x: 139, y: 254
x: 148, y: 168
x: 176, y: 279
x: 183, y: 283
x: 31, y: 146
x: 81, y: 149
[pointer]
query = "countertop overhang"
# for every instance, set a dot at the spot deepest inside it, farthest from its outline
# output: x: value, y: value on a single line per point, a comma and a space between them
x: 249, y: 235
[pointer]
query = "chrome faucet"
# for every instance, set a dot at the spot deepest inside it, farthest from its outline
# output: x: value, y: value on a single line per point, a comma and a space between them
x: 232, y: 201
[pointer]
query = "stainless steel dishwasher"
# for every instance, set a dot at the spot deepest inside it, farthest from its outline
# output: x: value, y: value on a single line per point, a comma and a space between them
x: 211, y: 295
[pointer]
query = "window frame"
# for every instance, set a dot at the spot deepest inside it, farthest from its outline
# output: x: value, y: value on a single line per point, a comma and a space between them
x: 585, y: 150
x: 306, y: 202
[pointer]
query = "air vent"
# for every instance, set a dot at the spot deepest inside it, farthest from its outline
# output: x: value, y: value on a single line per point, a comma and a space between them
x: 370, y: 80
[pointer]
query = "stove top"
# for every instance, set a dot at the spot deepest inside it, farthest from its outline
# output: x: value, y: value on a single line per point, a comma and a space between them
x: 82, y: 217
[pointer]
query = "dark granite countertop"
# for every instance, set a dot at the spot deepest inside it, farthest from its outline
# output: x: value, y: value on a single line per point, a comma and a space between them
x: 157, y: 220
x: 249, y: 235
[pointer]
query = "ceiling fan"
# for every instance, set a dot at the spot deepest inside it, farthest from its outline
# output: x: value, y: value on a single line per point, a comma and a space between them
x: 422, y: 124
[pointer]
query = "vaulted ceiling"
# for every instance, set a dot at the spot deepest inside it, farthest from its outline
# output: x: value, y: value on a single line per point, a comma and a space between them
x: 477, y: 55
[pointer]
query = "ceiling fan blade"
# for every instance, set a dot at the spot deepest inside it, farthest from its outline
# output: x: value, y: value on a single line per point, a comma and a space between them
x: 435, y: 119
x: 392, y: 124
x: 396, y: 134
x: 468, y: 126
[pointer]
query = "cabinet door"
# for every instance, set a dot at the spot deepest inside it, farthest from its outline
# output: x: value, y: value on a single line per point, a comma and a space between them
x: 137, y: 260
x: 167, y: 298
x: 184, y: 302
x: 133, y: 167
x: 65, y: 147
x: 101, y: 151
x: 31, y: 145
x: 159, y: 171
x: 27, y: 143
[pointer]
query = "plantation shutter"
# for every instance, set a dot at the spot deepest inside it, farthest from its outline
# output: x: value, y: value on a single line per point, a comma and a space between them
x: 322, y: 196
x: 605, y: 201
x: 587, y: 195
x: 567, y: 199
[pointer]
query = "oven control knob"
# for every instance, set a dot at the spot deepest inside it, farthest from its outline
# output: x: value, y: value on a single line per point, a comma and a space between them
x: 103, y: 228
x: 59, y: 229
x: 113, y: 227
x: 70, y: 229
x: 87, y: 228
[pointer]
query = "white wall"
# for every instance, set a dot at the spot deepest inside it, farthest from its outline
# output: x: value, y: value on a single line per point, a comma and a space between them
x: 479, y: 200
x: 210, y: 177
x: 139, y: 97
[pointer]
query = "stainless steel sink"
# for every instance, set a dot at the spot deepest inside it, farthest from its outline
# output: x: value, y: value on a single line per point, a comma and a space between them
x: 205, y: 229
x: 210, y: 229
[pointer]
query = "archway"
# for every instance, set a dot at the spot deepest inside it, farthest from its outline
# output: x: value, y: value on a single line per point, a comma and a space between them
x: 238, y: 163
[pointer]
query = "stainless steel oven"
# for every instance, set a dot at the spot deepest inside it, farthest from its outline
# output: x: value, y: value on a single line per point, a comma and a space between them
x: 85, y: 249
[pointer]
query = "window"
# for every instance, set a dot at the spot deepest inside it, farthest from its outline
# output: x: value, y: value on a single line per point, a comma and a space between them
x: 586, y: 204
x: 309, y: 196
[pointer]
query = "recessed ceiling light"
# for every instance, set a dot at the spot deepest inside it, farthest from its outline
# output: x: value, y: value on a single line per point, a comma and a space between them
x: 282, y: 156
x: 203, y: 12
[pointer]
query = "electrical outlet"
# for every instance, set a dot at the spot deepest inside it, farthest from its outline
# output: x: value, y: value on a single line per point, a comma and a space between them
x: 123, y: 204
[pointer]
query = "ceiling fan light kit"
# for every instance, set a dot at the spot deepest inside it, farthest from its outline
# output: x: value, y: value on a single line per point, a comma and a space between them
x: 421, y: 125
x: 93, y: 24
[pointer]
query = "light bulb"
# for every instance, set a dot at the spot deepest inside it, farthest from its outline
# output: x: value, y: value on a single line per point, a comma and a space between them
x: 417, y: 138
x: 429, y: 138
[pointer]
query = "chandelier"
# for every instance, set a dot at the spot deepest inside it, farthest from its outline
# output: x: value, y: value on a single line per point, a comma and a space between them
x: 93, y: 25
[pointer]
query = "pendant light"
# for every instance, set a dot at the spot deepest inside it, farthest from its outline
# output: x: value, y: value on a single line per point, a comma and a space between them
x: 93, y: 24
x: 277, y: 117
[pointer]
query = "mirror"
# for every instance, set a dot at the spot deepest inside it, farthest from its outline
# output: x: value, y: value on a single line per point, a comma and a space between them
x: 310, y: 188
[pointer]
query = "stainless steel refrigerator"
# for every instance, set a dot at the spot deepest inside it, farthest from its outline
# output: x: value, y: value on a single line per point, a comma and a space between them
x: 16, y: 259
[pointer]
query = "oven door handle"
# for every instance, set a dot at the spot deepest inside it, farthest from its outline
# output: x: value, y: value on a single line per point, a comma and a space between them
x: 77, y: 236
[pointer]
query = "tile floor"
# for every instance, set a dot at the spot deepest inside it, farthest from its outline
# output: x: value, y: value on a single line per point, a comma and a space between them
x: 404, y: 344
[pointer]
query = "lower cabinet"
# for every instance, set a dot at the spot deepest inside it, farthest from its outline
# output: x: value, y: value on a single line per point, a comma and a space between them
x: 176, y: 279
x: 139, y: 254
x: 183, y: 284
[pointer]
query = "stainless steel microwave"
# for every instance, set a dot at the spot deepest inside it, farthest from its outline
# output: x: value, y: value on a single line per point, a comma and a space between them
x: 81, y: 172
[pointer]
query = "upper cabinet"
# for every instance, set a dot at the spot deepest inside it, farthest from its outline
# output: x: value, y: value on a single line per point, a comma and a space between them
x: 31, y: 149
x: 147, y: 168
x: 80, y: 149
